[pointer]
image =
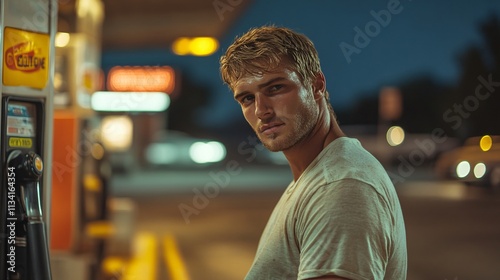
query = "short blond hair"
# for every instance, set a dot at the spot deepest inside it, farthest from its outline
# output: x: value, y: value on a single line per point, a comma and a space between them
x: 263, y: 48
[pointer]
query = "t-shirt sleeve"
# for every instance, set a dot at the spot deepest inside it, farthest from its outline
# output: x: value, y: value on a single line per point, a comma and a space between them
x: 344, y: 229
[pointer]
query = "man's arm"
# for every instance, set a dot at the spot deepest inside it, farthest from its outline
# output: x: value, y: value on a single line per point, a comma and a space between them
x: 344, y: 224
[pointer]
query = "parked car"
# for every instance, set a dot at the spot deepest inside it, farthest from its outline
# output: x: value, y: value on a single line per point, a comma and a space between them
x: 477, y: 162
x: 179, y: 149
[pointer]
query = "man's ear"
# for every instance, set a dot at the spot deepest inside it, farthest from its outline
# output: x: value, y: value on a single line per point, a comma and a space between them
x: 319, y: 85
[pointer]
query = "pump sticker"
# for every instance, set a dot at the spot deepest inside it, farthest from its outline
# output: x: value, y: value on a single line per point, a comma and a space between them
x: 20, y: 120
x: 15, y: 142
x: 26, y: 58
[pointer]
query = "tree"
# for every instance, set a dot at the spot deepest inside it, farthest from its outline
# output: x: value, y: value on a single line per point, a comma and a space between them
x: 477, y: 93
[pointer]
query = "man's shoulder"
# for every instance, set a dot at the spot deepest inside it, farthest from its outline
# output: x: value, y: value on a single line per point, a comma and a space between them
x: 346, y: 161
x: 345, y: 158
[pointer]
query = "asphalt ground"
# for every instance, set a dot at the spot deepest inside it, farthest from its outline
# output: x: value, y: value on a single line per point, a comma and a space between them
x: 207, y: 225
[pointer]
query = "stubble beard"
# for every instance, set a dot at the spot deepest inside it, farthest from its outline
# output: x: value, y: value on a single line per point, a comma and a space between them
x: 301, y: 127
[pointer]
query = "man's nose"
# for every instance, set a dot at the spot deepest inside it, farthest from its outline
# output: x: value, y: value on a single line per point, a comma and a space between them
x: 263, y: 108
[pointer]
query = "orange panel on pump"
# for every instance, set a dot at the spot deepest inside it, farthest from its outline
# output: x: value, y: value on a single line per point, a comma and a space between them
x: 64, y: 180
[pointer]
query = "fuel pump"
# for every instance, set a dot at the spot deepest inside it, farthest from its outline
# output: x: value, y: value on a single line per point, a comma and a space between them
x: 28, y: 256
x: 27, y: 40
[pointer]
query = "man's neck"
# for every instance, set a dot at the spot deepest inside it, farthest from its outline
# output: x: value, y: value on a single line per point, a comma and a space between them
x: 303, y: 153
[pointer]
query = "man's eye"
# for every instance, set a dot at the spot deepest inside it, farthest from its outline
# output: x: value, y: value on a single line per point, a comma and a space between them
x: 246, y: 99
x: 275, y: 87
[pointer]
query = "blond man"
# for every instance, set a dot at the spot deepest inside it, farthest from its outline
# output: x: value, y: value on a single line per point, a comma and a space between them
x: 340, y: 217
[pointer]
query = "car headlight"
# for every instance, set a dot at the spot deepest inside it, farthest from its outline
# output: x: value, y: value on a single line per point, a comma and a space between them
x: 205, y: 152
x: 463, y: 169
x: 479, y: 170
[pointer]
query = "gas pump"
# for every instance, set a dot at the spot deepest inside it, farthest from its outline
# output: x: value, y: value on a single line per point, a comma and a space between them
x: 27, y: 39
x: 26, y: 233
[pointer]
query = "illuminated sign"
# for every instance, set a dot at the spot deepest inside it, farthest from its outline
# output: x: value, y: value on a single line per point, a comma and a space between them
x: 113, y: 101
x: 26, y: 58
x: 142, y: 79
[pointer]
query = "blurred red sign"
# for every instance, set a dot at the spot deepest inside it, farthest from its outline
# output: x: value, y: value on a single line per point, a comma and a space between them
x: 390, y: 103
x: 142, y: 79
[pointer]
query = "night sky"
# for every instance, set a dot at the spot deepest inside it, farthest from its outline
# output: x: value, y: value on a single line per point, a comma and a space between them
x: 421, y: 38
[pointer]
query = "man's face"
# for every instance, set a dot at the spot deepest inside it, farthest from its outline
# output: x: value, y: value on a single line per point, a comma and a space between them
x: 278, y: 107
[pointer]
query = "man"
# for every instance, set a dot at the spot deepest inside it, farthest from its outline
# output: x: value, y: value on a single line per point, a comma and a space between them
x: 340, y: 217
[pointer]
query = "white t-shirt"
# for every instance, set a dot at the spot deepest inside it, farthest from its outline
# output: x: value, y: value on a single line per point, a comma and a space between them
x: 341, y: 217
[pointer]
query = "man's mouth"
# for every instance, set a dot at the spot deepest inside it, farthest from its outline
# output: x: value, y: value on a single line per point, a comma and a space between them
x: 270, y: 128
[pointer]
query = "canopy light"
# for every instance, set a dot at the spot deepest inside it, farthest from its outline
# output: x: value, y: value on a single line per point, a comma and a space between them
x: 142, y: 78
x: 117, y: 132
x: 198, y: 46
x: 62, y: 39
x: 112, y: 101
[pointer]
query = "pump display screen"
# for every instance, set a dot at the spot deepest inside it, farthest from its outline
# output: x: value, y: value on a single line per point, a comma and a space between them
x: 21, y: 118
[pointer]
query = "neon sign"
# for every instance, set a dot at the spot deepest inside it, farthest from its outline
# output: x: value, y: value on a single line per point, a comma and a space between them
x: 142, y: 79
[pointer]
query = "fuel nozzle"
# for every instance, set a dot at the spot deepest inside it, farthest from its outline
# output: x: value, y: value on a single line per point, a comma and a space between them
x: 28, y: 166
